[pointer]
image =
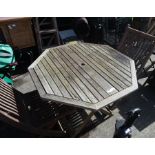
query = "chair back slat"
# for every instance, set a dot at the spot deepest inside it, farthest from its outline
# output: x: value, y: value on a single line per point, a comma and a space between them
x: 8, y: 102
x: 4, y: 106
x: 138, y: 46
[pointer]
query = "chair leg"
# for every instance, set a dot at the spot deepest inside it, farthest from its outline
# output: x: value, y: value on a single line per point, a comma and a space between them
x: 152, y: 63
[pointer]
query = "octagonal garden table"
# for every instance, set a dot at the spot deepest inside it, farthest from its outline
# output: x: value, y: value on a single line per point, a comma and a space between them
x: 85, y: 75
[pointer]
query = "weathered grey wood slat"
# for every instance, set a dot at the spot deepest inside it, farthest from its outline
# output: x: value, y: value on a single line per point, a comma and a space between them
x: 79, y: 73
x: 63, y: 80
x: 8, y: 89
x: 112, y: 72
x: 108, y: 62
x: 108, y: 58
x: 125, y: 71
x: 3, y: 103
x: 8, y: 95
x: 37, y: 82
x: 111, y: 53
x: 85, y: 71
x: 12, y: 109
x: 148, y: 45
x: 72, y: 102
x: 123, y: 93
x: 74, y: 116
x: 108, y: 73
x: 56, y: 79
x: 8, y: 101
x: 100, y: 70
x: 70, y: 79
x: 6, y: 105
x: 79, y: 82
x: 43, y: 80
x: 77, y: 123
x: 140, y: 51
x: 118, y: 57
x: 47, y: 76
x: 91, y: 70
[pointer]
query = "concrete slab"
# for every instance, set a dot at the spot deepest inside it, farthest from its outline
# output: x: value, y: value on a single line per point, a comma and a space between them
x: 24, y: 83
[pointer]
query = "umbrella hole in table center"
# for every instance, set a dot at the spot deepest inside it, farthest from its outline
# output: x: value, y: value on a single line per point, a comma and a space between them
x: 82, y: 64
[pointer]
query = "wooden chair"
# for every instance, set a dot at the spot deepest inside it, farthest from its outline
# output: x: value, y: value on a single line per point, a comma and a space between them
x: 41, y: 118
x: 74, y: 119
x: 151, y: 26
x: 138, y: 46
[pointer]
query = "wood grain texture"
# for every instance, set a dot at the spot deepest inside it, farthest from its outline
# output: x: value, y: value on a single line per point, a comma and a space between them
x: 7, y: 99
x: 84, y: 75
x: 17, y: 31
x: 137, y: 45
x: 43, y: 116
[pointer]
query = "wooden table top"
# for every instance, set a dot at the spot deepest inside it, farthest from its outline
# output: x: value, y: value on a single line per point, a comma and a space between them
x: 84, y: 75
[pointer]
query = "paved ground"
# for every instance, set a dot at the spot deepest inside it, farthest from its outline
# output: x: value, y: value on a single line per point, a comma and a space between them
x: 143, y: 127
x: 143, y: 98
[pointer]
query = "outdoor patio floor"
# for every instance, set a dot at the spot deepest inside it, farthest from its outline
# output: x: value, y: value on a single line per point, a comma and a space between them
x: 143, y: 98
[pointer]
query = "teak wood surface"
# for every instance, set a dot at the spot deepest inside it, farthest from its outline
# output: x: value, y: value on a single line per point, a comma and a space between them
x: 85, y: 75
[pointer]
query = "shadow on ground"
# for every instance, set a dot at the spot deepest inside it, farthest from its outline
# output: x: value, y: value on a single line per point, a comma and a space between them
x: 143, y: 98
